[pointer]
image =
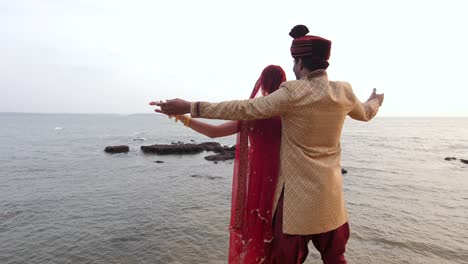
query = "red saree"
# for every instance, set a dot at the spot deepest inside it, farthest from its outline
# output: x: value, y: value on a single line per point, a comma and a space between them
x: 256, y: 169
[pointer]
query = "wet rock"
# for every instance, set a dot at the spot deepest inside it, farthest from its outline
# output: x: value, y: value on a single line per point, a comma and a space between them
x: 162, y: 149
x: 228, y: 148
x: 212, y: 146
x: 464, y: 161
x: 226, y: 155
x: 343, y: 171
x: 116, y: 149
x: 182, y: 148
x: 450, y: 158
x: 159, y: 161
x: 223, y: 153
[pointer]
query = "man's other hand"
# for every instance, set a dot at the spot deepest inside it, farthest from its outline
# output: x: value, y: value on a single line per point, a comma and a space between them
x: 378, y: 97
x: 172, y: 107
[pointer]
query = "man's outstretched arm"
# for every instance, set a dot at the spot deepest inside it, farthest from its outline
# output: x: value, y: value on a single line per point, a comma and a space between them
x: 366, y: 111
x: 268, y: 106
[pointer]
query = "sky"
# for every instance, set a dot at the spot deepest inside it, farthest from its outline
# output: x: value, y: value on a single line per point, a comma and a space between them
x: 115, y: 56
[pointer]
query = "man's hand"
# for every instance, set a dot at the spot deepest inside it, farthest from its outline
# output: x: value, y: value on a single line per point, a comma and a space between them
x: 172, y: 107
x: 378, y: 97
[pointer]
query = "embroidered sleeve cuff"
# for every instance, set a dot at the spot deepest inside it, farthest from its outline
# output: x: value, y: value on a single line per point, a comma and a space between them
x: 195, y: 109
x: 192, y: 109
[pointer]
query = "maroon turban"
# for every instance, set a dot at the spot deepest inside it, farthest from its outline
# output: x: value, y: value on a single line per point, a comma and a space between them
x: 305, y: 45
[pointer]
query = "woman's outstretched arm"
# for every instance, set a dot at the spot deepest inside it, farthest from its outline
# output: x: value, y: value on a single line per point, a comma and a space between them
x: 212, y: 131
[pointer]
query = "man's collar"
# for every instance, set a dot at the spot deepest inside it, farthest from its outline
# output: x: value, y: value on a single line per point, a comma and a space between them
x: 315, y: 74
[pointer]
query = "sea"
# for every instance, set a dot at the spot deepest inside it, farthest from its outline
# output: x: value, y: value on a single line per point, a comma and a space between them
x: 64, y: 200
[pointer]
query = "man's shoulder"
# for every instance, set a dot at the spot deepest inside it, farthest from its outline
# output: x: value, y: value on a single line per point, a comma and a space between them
x: 342, y: 87
x: 295, y: 83
x: 340, y: 83
x: 346, y: 86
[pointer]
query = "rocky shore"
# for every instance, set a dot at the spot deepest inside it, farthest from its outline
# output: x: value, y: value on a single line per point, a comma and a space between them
x: 223, y: 153
x: 179, y: 148
x: 453, y: 158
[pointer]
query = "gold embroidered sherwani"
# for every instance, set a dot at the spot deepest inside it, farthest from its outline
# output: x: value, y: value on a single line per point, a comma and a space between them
x: 313, y: 110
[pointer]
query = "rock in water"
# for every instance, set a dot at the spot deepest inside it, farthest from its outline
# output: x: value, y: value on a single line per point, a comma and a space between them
x: 226, y: 155
x: 228, y: 148
x: 464, y: 161
x: 211, y: 146
x: 182, y: 148
x: 117, y: 149
x: 450, y: 158
x: 223, y: 152
x: 209, y: 177
x: 343, y: 171
x: 172, y: 149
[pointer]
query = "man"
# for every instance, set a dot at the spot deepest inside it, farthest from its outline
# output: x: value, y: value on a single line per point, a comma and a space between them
x: 309, y: 199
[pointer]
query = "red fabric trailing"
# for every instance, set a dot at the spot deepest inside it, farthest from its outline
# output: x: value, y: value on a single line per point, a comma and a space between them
x: 256, y: 169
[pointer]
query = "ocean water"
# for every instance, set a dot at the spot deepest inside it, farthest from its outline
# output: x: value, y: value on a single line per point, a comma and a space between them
x: 63, y: 200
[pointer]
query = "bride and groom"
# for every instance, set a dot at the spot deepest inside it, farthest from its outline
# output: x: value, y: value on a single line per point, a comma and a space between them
x: 287, y: 184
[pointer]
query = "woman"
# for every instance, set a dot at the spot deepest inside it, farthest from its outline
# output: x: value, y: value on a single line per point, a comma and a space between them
x: 256, y: 170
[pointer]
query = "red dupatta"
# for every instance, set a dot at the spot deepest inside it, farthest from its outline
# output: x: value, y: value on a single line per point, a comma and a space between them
x: 256, y: 169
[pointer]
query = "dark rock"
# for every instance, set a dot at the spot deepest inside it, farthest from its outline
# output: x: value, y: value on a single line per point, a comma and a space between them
x: 450, y: 158
x: 218, y: 150
x: 215, y: 162
x: 227, y: 148
x: 182, y: 148
x: 464, y: 161
x: 159, y: 161
x: 213, y: 177
x: 172, y: 149
x: 226, y: 155
x: 117, y: 149
x: 211, y: 146
x: 343, y: 171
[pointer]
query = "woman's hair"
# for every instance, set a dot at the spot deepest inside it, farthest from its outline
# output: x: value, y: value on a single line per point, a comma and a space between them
x: 270, y: 80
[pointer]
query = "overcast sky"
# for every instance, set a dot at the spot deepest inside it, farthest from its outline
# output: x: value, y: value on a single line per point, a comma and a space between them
x: 114, y: 56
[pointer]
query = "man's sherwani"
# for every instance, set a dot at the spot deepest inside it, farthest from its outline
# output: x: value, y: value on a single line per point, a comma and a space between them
x: 313, y: 110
